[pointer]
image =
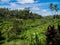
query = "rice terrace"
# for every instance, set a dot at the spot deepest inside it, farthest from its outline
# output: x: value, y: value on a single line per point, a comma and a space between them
x: 29, y: 22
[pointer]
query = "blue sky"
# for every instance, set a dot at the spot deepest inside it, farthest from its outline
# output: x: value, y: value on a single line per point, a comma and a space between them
x: 37, y: 6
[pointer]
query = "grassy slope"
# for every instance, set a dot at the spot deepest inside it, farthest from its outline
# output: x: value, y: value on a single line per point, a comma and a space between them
x: 38, y: 27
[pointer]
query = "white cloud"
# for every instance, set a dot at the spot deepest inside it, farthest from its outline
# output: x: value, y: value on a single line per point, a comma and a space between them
x: 25, y: 1
x: 35, y: 8
x: 5, y: 1
x: 15, y: 6
x: 44, y: 11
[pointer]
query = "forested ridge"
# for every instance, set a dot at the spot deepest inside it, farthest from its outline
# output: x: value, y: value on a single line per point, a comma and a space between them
x: 19, y: 14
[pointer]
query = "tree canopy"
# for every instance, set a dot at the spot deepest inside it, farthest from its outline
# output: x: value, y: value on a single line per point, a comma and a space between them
x: 21, y: 14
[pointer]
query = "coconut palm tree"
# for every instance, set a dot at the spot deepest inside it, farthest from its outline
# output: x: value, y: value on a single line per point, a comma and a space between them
x: 56, y: 9
x: 51, y: 7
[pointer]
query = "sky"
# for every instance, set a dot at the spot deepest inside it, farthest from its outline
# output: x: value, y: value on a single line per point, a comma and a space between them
x: 36, y: 6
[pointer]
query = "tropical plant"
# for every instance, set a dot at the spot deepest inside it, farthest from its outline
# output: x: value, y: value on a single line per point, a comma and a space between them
x: 51, y: 7
x: 56, y: 9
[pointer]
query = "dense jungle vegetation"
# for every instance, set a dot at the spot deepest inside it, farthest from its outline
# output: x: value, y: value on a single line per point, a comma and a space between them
x: 23, y: 27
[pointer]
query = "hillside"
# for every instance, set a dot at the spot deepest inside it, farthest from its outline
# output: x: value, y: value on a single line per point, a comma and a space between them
x: 22, y: 27
x: 23, y: 32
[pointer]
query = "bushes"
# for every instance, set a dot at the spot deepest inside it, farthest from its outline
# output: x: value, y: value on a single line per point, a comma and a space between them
x: 58, y: 35
x: 53, y: 35
x: 1, y: 38
x: 59, y: 28
x: 31, y: 31
x: 34, y: 39
x: 18, y: 14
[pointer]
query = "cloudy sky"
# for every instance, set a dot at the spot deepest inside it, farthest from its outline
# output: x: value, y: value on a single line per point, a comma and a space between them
x: 36, y: 6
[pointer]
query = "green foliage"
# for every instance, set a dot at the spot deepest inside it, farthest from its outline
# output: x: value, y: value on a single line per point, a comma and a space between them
x: 22, y: 27
x: 19, y: 14
x: 54, y: 7
x: 51, y: 6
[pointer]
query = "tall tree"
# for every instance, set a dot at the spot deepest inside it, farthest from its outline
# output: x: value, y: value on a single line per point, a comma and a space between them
x: 27, y: 10
x: 56, y: 8
x: 51, y: 7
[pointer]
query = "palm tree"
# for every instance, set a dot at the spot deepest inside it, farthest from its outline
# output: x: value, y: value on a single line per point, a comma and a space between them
x: 51, y: 7
x: 56, y: 8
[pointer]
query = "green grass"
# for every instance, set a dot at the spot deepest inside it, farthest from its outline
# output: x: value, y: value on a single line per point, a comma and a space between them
x: 33, y: 31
